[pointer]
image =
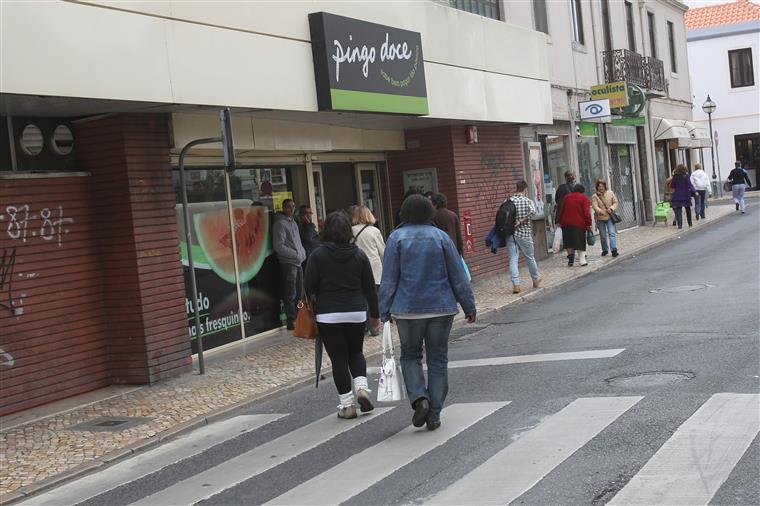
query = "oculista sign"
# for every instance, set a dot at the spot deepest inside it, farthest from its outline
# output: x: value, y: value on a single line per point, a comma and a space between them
x: 362, y: 66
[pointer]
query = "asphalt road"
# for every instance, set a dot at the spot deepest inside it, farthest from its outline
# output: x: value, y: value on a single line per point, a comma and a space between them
x: 660, y: 417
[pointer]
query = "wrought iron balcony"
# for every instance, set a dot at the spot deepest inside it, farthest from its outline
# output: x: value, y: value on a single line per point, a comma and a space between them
x: 644, y: 71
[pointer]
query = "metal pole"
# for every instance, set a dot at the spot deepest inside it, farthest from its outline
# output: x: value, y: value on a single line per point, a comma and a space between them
x: 712, y: 154
x: 233, y: 243
x: 191, y: 265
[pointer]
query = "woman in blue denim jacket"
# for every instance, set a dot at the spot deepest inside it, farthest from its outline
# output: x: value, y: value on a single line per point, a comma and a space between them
x: 423, y: 279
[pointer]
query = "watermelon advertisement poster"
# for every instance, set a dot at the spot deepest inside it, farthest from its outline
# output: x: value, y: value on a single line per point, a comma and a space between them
x: 259, y: 272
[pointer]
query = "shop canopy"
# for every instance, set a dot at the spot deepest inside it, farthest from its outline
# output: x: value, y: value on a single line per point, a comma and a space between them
x: 688, y: 134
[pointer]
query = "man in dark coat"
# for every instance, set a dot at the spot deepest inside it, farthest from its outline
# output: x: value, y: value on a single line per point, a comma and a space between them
x: 447, y: 220
x: 563, y: 190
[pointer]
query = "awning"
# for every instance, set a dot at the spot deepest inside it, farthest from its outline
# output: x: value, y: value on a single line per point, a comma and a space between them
x: 700, y: 136
x: 668, y: 129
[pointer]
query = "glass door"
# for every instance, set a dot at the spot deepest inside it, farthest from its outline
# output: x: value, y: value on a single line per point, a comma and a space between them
x: 319, y: 195
x: 368, y: 190
x: 621, y: 172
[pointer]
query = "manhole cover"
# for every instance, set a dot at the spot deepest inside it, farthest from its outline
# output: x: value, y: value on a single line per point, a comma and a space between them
x: 649, y: 379
x: 110, y: 423
x: 680, y: 289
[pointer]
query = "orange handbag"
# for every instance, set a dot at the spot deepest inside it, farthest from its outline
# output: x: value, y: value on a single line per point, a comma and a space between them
x: 305, y: 324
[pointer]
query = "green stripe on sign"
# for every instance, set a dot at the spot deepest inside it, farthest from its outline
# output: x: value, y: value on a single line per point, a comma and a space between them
x: 377, y: 102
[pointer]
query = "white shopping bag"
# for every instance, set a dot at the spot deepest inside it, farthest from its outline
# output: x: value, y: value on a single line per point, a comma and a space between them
x: 557, y: 242
x: 390, y: 387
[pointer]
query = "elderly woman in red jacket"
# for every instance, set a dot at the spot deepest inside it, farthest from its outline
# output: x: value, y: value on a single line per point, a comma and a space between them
x: 575, y: 219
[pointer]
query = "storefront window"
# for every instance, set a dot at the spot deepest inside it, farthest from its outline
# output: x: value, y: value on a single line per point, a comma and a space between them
x: 589, y: 163
x: 256, y: 194
x: 556, y: 162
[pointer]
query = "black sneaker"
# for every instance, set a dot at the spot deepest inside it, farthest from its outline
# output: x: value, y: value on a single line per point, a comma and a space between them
x: 737, y: 207
x: 290, y: 325
x: 605, y: 253
x: 432, y: 422
x: 421, y: 410
x: 615, y: 253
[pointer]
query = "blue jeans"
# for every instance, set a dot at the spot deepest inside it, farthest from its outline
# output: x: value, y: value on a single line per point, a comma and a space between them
x: 607, y: 229
x: 700, y: 203
x: 515, y: 245
x: 292, y: 285
x: 434, y: 334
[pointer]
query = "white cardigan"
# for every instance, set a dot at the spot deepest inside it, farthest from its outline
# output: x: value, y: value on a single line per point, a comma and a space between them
x: 372, y: 244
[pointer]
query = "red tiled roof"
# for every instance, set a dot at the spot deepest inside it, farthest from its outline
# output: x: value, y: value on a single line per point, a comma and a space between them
x: 723, y: 14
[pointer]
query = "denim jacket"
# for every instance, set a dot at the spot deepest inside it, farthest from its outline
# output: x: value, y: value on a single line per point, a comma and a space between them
x: 423, y: 274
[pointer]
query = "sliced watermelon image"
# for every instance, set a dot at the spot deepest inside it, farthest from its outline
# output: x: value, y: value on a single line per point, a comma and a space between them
x: 212, y: 231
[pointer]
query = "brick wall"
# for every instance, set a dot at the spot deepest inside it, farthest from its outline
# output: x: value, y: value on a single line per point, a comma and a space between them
x: 474, y: 177
x: 51, y: 325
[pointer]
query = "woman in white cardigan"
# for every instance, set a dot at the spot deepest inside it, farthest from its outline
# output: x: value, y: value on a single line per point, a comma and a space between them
x: 370, y: 240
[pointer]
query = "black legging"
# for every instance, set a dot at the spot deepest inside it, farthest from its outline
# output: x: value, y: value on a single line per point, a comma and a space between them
x: 344, y: 343
x: 679, y: 218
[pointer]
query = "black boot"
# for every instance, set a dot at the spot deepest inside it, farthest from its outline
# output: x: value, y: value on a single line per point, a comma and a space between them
x: 570, y: 260
x: 421, y: 410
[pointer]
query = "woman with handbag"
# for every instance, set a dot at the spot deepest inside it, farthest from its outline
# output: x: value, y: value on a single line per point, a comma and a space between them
x: 339, y: 277
x: 605, y: 205
x: 423, y: 280
x: 683, y: 191
x: 370, y: 240
x: 575, y: 219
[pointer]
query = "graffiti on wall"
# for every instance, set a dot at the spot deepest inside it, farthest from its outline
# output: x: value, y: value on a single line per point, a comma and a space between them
x: 20, y: 223
x: 7, y: 264
x: 493, y: 189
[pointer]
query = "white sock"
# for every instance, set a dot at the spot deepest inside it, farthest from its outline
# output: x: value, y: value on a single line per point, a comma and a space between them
x: 360, y: 383
x: 581, y: 257
x: 345, y: 400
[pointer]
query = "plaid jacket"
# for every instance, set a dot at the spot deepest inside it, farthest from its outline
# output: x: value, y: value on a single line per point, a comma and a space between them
x: 525, y: 209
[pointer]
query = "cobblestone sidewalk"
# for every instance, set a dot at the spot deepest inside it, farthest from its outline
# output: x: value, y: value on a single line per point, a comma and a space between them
x: 40, y: 453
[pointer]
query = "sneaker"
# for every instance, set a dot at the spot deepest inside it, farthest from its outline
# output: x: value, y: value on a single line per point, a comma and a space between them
x: 605, y: 253
x: 516, y: 289
x: 432, y: 422
x: 365, y: 404
x: 290, y: 325
x: 570, y: 262
x: 421, y: 410
x: 737, y: 207
x: 347, y: 412
x: 615, y: 253
x: 537, y: 281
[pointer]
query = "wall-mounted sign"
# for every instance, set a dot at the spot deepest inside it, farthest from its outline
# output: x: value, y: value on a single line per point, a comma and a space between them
x: 420, y: 181
x: 589, y: 129
x: 637, y: 99
x: 361, y: 66
x: 595, y: 110
x: 617, y: 93
x: 633, y: 120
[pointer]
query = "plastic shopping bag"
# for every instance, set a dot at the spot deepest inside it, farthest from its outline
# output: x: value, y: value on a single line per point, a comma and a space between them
x: 390, y: 387
x: 557, y: 242
x: 466, y: 270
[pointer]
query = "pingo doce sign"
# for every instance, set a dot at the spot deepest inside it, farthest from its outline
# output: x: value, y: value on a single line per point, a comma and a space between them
x: 362, y: 66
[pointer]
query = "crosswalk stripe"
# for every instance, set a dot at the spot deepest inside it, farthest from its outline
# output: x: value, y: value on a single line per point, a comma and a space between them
x: 152, y: 461
x: 518, y: 467
x: 526, y: 359
x: 256, y: 461
x: 362, y: 470
x: 692, y: 465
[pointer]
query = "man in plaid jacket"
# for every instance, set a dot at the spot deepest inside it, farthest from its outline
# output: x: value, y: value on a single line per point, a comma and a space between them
x: 522, y: 239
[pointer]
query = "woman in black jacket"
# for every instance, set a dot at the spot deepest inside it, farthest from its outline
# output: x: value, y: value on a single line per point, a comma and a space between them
x: 339, y: 276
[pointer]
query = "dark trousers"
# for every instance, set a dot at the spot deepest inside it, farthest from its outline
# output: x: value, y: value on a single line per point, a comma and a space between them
x: 344, y: 343
x: 700, y: 204
x: 292, y: 286
x: 679, y: 218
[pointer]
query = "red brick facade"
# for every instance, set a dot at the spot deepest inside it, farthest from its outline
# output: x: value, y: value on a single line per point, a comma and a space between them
x: 474, y: 177
x: 105, y: 303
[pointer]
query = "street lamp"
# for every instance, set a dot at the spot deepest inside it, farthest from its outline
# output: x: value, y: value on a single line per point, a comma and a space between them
x: 709, y: 107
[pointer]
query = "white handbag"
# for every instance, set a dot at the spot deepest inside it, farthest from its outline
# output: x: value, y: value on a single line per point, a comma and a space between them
x: 390, y: 387
x: 557, y: 243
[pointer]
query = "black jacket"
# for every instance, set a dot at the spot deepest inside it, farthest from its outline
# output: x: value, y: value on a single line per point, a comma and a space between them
x: 563, y: 190
x: 739, y: 176
x: 340, y: 277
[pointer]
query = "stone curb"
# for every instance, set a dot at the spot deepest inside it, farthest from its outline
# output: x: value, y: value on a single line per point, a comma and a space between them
x: 201, y: 420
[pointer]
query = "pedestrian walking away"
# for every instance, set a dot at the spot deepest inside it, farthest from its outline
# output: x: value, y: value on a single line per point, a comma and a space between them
x: 563, y: 190
x: 739, y: 183
x: 521, y: 238
x: 339, y: 278
x: 286, y: 242
x: 701, y: 182
x: 369, y: 239
x: 604, y: 202
x: 447, y: 220
x: 575, y: 220
x: 683, y: 191
x: 423, y: 280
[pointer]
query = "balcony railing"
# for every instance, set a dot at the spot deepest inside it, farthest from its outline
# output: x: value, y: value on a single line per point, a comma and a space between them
x: 626, y: 65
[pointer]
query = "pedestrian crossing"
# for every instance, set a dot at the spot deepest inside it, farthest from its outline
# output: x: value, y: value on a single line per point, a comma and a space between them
x: 689, y: 468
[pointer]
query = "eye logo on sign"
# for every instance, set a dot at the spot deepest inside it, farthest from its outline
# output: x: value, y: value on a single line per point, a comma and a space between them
x: 595, y: 110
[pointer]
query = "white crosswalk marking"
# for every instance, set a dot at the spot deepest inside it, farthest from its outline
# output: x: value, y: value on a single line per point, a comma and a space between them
x: 152, y: 461
x: 256, y: 461
x: 527, y: 359
x: 692, y: 465
x: 362, y: 470
x: 518, y: 467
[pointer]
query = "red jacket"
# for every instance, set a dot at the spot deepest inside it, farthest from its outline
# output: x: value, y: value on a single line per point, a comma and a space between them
x: 576, y: 211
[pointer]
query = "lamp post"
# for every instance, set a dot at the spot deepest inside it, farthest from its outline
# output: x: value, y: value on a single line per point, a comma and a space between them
x: 709, y: 107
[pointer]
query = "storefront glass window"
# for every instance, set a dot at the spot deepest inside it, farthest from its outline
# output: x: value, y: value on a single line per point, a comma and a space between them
x: 556, y: 162
x: 256, y: 194
x: 589, y: 163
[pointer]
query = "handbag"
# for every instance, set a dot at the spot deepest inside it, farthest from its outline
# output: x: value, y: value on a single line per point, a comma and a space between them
x: 590, y: 238
x: 557, y: 240
x: 390, y: 386
x: 728, y: 186
x: 615, y: 217
x: 305, y: 325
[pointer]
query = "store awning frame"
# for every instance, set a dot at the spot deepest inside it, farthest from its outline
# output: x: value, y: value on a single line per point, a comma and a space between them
x: 700, y: 136
x: 670, y: 129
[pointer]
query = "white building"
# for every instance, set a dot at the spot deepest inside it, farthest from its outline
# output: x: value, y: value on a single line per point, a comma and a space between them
x: 723, y: 43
